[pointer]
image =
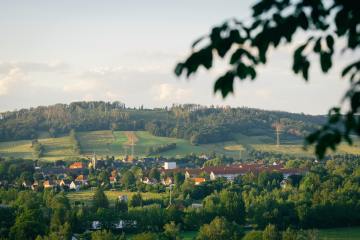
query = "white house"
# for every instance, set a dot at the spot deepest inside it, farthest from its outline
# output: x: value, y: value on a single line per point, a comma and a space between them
x: 75, y: 186
x: 169, y: 165
x: 123, y: 198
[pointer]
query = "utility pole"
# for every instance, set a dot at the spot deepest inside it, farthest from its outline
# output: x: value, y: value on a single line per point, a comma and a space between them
x: 170, y: 187
x: 278, y: 128
x: 132, y: 146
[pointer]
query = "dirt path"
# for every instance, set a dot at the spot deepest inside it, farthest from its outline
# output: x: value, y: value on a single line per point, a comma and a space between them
x: 132, y: 138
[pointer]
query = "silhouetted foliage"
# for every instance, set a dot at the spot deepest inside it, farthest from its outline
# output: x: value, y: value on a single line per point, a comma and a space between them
x: 328, y: 24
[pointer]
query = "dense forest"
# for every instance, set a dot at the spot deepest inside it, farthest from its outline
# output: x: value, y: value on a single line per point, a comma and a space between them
x: 199, y: 124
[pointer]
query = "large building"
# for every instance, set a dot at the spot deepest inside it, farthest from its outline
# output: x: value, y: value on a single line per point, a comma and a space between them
x: 169, y: 165
x: 231, y: 172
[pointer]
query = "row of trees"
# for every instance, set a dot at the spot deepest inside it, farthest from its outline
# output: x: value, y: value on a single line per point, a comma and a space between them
x: 37, y: 148
x: 75, y: 142
x: 162, y: 148
x: 198, y: 124
x: 327, y: 196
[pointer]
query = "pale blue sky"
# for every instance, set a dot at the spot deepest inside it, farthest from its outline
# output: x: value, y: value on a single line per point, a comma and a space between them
x: 63, y: 51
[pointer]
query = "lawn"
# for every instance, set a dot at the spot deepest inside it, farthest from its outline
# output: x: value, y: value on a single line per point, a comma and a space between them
x: 340, y: 234
x: 102, y: 143
x: 18, y: 149
x: 54, y: 149
x: 183, y: 147
x: 86, y: 196
x: 108, y: 143
x: 297, y: 149
x: 57, y: 148
x: 325, y: 234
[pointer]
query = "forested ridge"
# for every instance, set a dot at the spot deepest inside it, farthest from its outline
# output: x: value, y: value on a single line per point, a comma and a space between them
x: 199, y: 124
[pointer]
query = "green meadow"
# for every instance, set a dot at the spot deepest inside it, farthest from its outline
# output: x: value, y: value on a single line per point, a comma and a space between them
x: 109, y: 143
x: 87, y: 196
x: 324, y: 234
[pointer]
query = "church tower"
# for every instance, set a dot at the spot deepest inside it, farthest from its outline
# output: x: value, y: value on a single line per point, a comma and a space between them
x: 93, y: 161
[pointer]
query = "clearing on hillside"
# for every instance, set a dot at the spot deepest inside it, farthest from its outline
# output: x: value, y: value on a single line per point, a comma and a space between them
x: 131, y: 138
x: 57, y: 148
x: 102, y: 143
x: 18, y: 149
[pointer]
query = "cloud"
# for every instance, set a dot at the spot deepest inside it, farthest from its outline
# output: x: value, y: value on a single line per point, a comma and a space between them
x: 34, y: 66
x: 263, y: 93
x: 169, y: 92
x: 8, y: 81
x: 81, y: 86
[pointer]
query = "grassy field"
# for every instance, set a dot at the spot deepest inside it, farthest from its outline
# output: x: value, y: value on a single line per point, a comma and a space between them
x: 54, y: 149
x: 324, y: 234
x: 100, y: 142
x: 118, y: 144
x: 86, y: 196
x: 57, y: 148
x: 20, y: 149
x: 297, y: 149
x: 340, y: 234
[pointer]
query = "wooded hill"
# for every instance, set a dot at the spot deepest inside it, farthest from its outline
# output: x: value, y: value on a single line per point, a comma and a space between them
x: 199, y: 124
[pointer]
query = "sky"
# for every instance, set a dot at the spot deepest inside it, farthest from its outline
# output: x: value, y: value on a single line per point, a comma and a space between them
x: 64, y: 51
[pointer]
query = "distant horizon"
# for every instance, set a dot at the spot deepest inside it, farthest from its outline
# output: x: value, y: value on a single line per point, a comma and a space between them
x: 162, y: 107
x: 65, y: 51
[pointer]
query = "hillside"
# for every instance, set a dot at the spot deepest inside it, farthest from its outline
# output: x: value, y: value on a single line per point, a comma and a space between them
x: 116, y: 143
x: 109, y: 129
x: 199, y: 124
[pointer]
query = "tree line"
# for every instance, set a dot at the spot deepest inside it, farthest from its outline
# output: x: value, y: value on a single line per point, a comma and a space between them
x: 199, y: 124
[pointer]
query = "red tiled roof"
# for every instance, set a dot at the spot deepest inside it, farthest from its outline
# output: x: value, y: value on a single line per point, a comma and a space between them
x: 199, y: 180
x: 77, y: 165
x: 80, y: 178
x: 244, y: 168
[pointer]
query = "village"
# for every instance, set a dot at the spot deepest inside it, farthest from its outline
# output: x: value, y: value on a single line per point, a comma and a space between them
x: 75, y: 176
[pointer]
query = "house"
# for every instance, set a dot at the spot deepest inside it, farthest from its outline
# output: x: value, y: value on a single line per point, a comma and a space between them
x: 167, y: 181
x: 196, y: 205
x: 114, y: 173
x: 192, y: 173
x: 26, y: 184
x: 35, y: 185
x: 128, y: 158
x: 95, y: 225
x: 113, y: 179
x: 123, y: 198
x: 81, y: 179
x: 198, y: 180
x: 204, y: 157
x: 169, y: 165
x: 48, y: 171
x: 49, y: 184
x: 77, y: 165
x: 284, y: 183
x: 75, y: 186
x: 148, y: 181
x: 64, y: 183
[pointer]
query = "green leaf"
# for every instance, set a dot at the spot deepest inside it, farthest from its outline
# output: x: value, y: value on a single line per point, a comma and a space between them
x: 252, y: 72
x: 325, y: 61
x: 225, y: 84
x: 305, y: 69
x: 215, y: 35
x: 178, y: 69
x: 239, y: 53
x: 317, y: 46
x: 303, y: 21
x: 241, y: 71
x: 355, y: 101
x: 330, y: 42
x: 197, y: 42
x: 223, y: 46
x: 346, y: 70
